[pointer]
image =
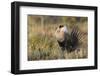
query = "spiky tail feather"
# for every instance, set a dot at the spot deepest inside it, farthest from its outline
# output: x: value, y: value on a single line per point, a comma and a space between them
x: 77, y: 36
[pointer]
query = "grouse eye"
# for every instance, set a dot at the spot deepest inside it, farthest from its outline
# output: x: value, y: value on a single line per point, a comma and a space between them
x: 61, y: 26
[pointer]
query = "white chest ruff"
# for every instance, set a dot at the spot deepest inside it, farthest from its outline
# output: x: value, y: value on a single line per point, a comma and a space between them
x: 60, y: 33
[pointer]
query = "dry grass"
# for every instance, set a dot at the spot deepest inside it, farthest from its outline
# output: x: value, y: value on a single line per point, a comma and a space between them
x: 42, y: 44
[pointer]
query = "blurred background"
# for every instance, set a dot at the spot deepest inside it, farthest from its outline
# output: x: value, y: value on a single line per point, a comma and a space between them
x: 42, y: 44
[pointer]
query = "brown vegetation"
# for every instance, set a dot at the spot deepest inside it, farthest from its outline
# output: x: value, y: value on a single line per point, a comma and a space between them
x: 42, y: 44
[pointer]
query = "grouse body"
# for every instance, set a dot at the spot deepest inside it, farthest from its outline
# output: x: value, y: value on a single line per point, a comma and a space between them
x: 68, y: 40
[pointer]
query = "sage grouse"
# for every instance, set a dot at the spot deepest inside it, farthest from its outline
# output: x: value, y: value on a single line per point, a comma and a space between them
x: 68, y: 40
